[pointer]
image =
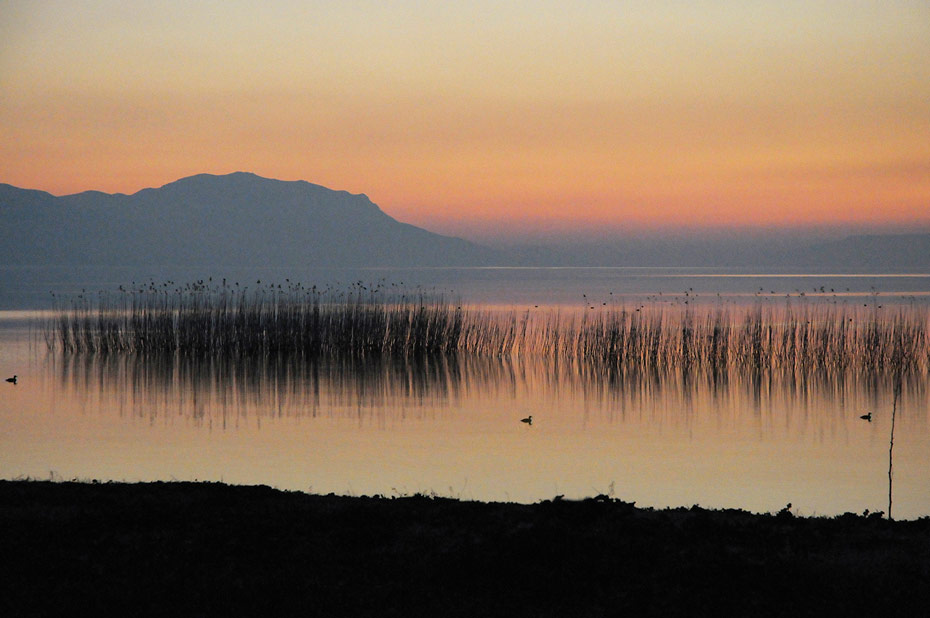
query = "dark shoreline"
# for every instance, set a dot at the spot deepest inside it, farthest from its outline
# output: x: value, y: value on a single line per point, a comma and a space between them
x: 178, y: 549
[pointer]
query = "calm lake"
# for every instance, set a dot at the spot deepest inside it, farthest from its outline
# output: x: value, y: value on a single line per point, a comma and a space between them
x: 451, y: 426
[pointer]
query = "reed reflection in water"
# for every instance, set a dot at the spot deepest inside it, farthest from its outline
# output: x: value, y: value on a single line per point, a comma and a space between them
x: 451, y: 424
x: 151, y: 385
x: 155, y: 384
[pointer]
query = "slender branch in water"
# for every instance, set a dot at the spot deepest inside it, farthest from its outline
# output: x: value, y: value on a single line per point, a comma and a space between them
x: 894, y: 410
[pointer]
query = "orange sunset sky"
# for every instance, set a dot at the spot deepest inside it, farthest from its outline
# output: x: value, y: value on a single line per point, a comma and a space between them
x: 488, y: 119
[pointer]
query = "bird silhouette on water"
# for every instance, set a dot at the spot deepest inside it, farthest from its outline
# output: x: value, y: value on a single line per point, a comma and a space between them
x: 11, y: 380
x: 528, y: 420
x: 867, y: 417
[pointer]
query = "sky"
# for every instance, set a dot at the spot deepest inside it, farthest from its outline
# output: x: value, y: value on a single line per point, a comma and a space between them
x: 488, y: 119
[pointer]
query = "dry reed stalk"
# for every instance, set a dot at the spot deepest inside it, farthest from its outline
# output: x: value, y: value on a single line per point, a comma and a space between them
x: 375, y: 321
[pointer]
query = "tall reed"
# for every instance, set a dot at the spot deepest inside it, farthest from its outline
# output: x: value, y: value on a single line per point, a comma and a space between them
x: 381, y: 320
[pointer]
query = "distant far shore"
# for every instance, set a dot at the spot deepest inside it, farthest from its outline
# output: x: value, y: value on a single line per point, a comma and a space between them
x: 211, y: 549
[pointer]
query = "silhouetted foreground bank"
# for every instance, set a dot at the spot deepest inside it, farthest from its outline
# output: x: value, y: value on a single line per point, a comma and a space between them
x: 203, y: 549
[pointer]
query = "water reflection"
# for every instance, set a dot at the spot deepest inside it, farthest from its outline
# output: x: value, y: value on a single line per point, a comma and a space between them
x: 151, y: 385
x: 672, y: 438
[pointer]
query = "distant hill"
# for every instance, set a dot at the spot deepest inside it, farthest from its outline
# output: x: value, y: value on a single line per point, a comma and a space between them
x: 888, y: 252
x: 861, y: 253
x: 238, y: 219
x: 243, y: 220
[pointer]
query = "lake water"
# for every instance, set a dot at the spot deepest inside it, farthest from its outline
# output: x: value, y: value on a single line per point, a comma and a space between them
x: 32, y: 287
x: 452, y: 426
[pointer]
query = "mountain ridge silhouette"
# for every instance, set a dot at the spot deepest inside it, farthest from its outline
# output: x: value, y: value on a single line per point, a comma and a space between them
x: 233, y: 219
x: 242, y: 219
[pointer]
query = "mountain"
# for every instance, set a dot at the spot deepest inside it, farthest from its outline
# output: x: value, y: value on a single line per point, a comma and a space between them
x: 237, y: 219
x: 242, y: 220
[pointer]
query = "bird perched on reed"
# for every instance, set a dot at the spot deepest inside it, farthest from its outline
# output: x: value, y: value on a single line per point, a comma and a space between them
x: 528, y: 420
x: 11, y: 380
x: 867, y: 417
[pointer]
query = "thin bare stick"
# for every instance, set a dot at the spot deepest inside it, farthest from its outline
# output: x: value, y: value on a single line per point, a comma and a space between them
x: 894, y: 410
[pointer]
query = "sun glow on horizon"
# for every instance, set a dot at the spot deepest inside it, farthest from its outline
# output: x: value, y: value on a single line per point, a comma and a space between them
x: 483, y: 118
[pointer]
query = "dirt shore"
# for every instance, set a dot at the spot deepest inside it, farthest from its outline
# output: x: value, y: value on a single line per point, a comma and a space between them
x: 205, y: 549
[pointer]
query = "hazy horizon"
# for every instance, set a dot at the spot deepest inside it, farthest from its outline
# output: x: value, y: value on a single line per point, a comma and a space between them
x: 486, y: 121
x: 242, y: 220
x: 526, y: 234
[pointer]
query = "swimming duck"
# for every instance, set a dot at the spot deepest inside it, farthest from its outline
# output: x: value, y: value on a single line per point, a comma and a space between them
x: 528, y: 420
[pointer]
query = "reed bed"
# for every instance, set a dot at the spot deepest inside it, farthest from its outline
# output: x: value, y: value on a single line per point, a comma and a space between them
x: 228, y: 320
x: 204, y: 319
